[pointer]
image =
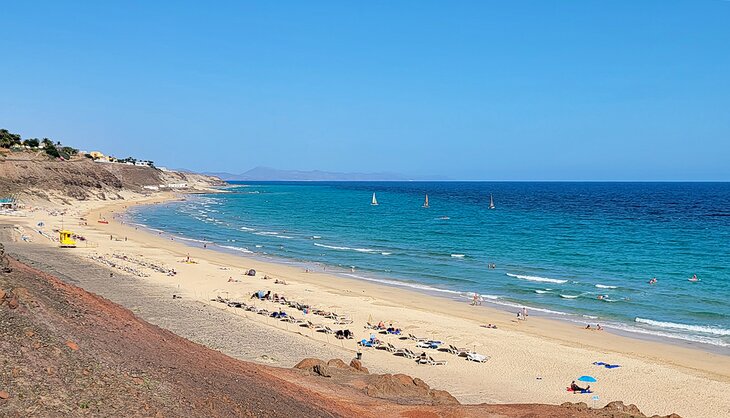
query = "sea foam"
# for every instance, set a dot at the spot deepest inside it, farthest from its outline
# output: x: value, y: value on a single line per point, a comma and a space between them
x: 684, y: 327
x: 537, y: 278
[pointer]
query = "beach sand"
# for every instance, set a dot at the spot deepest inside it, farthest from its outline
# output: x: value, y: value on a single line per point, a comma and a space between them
x: 531, y: 361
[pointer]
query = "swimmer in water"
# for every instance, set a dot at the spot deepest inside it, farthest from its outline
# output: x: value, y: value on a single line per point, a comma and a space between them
x: 694, y: 278
x: 653, y: 280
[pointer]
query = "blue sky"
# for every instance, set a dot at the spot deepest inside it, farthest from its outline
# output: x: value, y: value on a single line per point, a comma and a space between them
x: 482, y: 90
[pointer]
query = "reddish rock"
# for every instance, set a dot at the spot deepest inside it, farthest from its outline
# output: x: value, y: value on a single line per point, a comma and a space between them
x: 338, y: 364
x: 404, y: 389
x: 2, y: 296
x: 309, y: 363
x: 72, y: 345
x: 315, y: 366
x: 13, y: 303
x: 620, y: 407
x: 4, y: 395
x: 357, y: 365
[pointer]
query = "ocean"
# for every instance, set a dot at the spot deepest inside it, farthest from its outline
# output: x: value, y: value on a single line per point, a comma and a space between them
x: 583, y: 252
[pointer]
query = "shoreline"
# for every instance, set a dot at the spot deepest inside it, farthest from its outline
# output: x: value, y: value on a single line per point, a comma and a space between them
x: 567, y: 319
x: 553, y: 351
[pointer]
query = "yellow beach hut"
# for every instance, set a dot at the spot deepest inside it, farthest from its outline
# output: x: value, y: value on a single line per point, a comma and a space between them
x: 66, y: 240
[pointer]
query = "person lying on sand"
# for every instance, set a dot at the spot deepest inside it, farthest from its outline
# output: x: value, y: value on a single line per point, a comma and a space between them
x: 576, y: 388
x: 490, y: 326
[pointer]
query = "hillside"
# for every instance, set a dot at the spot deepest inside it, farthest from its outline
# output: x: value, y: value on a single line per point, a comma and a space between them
x: 69, y: 352
x: 31, y: 174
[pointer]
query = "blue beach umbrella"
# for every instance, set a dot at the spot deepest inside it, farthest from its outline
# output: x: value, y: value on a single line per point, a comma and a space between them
x: 587, y: 379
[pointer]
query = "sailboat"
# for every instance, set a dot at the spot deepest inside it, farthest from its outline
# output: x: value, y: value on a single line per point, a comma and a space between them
x: 425, y: 204
x: 491, y: 201
x: 375, y: 201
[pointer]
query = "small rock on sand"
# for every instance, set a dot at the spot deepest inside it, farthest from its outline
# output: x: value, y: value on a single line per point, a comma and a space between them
x: 72, y: 345
x: 4, y: 395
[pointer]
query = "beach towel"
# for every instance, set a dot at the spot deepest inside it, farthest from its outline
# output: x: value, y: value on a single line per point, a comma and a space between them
x: 578, y: 391
x: 606, y: 365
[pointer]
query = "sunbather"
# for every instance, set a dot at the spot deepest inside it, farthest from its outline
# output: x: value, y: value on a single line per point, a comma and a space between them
x: 576, y: 388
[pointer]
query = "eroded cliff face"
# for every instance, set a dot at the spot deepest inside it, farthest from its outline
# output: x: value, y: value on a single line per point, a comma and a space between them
x: 36, y: 176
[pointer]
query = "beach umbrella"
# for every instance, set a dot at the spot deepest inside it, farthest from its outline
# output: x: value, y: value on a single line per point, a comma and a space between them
x: 590, y: 379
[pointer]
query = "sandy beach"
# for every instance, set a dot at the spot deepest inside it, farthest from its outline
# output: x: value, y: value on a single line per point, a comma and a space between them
x: 530, y: 361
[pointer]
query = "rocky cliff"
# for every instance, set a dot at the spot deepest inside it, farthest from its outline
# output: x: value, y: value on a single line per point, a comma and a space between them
x: 33, y: 175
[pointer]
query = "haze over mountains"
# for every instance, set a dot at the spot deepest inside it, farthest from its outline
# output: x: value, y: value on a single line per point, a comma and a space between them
x: 273, y: 174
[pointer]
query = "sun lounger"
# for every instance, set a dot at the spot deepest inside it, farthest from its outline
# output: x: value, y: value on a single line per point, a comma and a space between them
x: 387, y: 347
x: 430, y: 361
x: 325, y: 329
x: 343, y: 321
x: 263, y: 312
x: 479, y: 358
x: 293, y: 320
x: 404, y: 352
x: 428, y: 344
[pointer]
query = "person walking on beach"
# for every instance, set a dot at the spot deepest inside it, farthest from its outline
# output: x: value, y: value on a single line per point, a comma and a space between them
x: 524, y: 313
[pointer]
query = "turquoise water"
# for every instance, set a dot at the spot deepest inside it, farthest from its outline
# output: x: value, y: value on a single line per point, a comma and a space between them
x: 557, y: 247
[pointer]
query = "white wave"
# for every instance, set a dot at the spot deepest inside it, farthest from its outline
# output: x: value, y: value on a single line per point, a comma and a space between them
x: 316, y: 237
x: 537, y: 278
x: 605, y: 286
x: 192, y: 239
x: 569, y: 296
x: 531, y: 308
x: 541, y: 291
x: 684, y: 327
x: 686, y: 337
x: 284, y: 236
x: 334, y: 247
x: 266, y: 233
x: 259, y: 246
x: 403, y: 284
x: 385, y: 253
x: 458, y: 255
x: 245, y: 228
x: 240, y: 249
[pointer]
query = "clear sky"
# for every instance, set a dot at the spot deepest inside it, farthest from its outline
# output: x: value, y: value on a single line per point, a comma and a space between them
x: 482, y: 90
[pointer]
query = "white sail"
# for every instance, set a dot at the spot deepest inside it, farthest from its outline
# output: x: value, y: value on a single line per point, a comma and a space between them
x: 491, y: 201
x: 425, y: 204
x: 375, y: 201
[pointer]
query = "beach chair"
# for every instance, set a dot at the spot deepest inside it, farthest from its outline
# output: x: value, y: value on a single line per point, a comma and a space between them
x: 293, y: 320
x: 325, y: 329
x: 263, y: 312
x: 342, y: 320
x: 479, y: 358
x: 404, y: 352
x: 428, y: 344
x: 452, y: 349
x: 387, y: 347
x: 430, y: 361
x: 418, y: 339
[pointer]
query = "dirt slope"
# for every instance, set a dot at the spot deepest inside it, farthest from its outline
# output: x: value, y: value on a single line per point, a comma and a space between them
x: 67, y: 352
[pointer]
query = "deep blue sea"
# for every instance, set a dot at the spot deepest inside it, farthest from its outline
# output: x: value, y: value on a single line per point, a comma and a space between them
x: 556, y: 247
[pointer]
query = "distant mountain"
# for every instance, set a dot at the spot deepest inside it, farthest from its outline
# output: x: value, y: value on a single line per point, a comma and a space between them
x: 272, y: 174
